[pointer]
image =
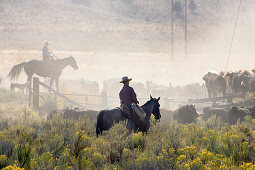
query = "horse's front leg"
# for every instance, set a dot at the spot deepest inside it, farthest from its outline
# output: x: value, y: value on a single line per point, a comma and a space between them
x: 51, y: 83
x: 57, y: 79
x: 27, y: 88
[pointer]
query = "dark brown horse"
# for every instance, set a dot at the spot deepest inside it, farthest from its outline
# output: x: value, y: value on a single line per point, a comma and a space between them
x: 50, y: 68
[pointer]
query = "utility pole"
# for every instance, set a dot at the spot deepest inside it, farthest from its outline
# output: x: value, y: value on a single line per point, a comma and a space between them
x: 172, y: 31
x: 185, y: 28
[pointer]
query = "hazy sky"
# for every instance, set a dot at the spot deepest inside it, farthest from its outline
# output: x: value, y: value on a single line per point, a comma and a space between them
x: 116, y: 39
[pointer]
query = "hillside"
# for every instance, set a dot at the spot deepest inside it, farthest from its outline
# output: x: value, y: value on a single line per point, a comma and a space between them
x: 107, y: 25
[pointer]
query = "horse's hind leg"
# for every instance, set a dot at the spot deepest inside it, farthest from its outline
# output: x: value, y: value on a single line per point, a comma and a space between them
x: 27, y: 88
x: 56, y: 81
x: 29, y: 77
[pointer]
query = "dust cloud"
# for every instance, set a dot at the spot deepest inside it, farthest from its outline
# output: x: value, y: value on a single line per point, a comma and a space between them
x: 110, y: 39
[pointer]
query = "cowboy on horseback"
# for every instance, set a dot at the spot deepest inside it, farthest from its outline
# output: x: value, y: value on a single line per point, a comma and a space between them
x: 47, y: 55
x: 127, y: 98
x: 138, y: 117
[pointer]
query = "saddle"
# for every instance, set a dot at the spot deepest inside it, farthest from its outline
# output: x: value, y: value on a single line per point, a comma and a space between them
x: 138, y: 111
x: 137, y: 114
x: 125, y: 111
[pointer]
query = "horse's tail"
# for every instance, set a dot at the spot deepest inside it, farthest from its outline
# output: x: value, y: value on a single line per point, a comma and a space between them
x: 99, y: 124
x: 16, y: 70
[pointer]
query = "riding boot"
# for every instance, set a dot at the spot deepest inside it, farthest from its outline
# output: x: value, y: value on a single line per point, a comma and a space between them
x: 131, y: 125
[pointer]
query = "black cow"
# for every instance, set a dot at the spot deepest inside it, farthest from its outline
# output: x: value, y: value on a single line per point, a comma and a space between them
x: 74, y: 114
x: 251, y: 83
x: 186, y: 114
x: 78, y: 114
x: 221, y: 113
x: 237, y: 113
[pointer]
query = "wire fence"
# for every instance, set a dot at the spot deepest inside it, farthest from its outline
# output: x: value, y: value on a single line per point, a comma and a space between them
x: 102, y: 101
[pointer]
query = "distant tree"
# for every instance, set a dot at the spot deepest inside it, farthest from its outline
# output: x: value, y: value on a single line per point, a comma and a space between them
x: 192, y: 7
x: 127, y: 1
x: 83, y: 2
x: 177, y: 7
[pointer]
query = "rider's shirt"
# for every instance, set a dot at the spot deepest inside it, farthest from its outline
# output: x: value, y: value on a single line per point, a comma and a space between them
x: 127, y: 95
x: 46, y: 54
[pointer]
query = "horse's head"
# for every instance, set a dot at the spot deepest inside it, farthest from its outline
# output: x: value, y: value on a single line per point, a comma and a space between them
x: 155, y: 110
x: 205, y: 77
x: 72, y: 63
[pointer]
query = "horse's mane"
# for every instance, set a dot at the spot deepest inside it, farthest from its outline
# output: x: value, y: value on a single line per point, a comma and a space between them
x: 146, y: 103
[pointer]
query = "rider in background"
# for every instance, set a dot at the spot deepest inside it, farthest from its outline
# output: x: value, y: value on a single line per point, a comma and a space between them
x: 46, y: 53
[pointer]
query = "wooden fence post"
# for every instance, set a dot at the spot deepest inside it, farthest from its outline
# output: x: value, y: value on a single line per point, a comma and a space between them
x: 55, y: 100
x: 166, y: 103
x: 29, y: 93
x: 36, y: 93
x: 86, y: 102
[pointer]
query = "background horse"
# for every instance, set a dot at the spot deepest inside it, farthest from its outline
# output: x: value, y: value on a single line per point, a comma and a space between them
x: 107, y: 118
x: 51, y: 68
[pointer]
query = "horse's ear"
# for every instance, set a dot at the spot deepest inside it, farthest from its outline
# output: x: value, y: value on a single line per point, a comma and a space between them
x: 158, y: 99
x: 151, y: 97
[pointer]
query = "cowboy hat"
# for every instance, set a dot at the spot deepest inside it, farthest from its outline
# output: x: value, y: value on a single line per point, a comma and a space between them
x: 125, y: 79
x: 46, y: 42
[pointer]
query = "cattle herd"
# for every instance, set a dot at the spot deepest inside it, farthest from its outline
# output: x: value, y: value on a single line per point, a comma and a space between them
x: 220, y: 84
x: 217, y: 85
x: 184, y: 115
x: 188, y: 114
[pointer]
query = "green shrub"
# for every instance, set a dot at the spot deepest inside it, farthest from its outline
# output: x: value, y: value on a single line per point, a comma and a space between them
x: 59, y: 143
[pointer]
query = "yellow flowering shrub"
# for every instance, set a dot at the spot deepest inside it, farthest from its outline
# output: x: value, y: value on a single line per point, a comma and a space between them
x: 247, y: 166
x: 145, y: 158
x: 138, y: 140
x: 3, y: 161
x: 205, y: 156
x: 98, y: 159
x: 46, y: 160
x: 59, y: 143
x: 10, y: 167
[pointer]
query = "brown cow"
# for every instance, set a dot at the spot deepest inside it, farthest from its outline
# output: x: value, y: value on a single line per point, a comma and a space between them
x: 228, y: 83
x: 215, y: 84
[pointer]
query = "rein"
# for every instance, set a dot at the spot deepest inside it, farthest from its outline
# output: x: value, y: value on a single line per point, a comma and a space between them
x: 54, y: 56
